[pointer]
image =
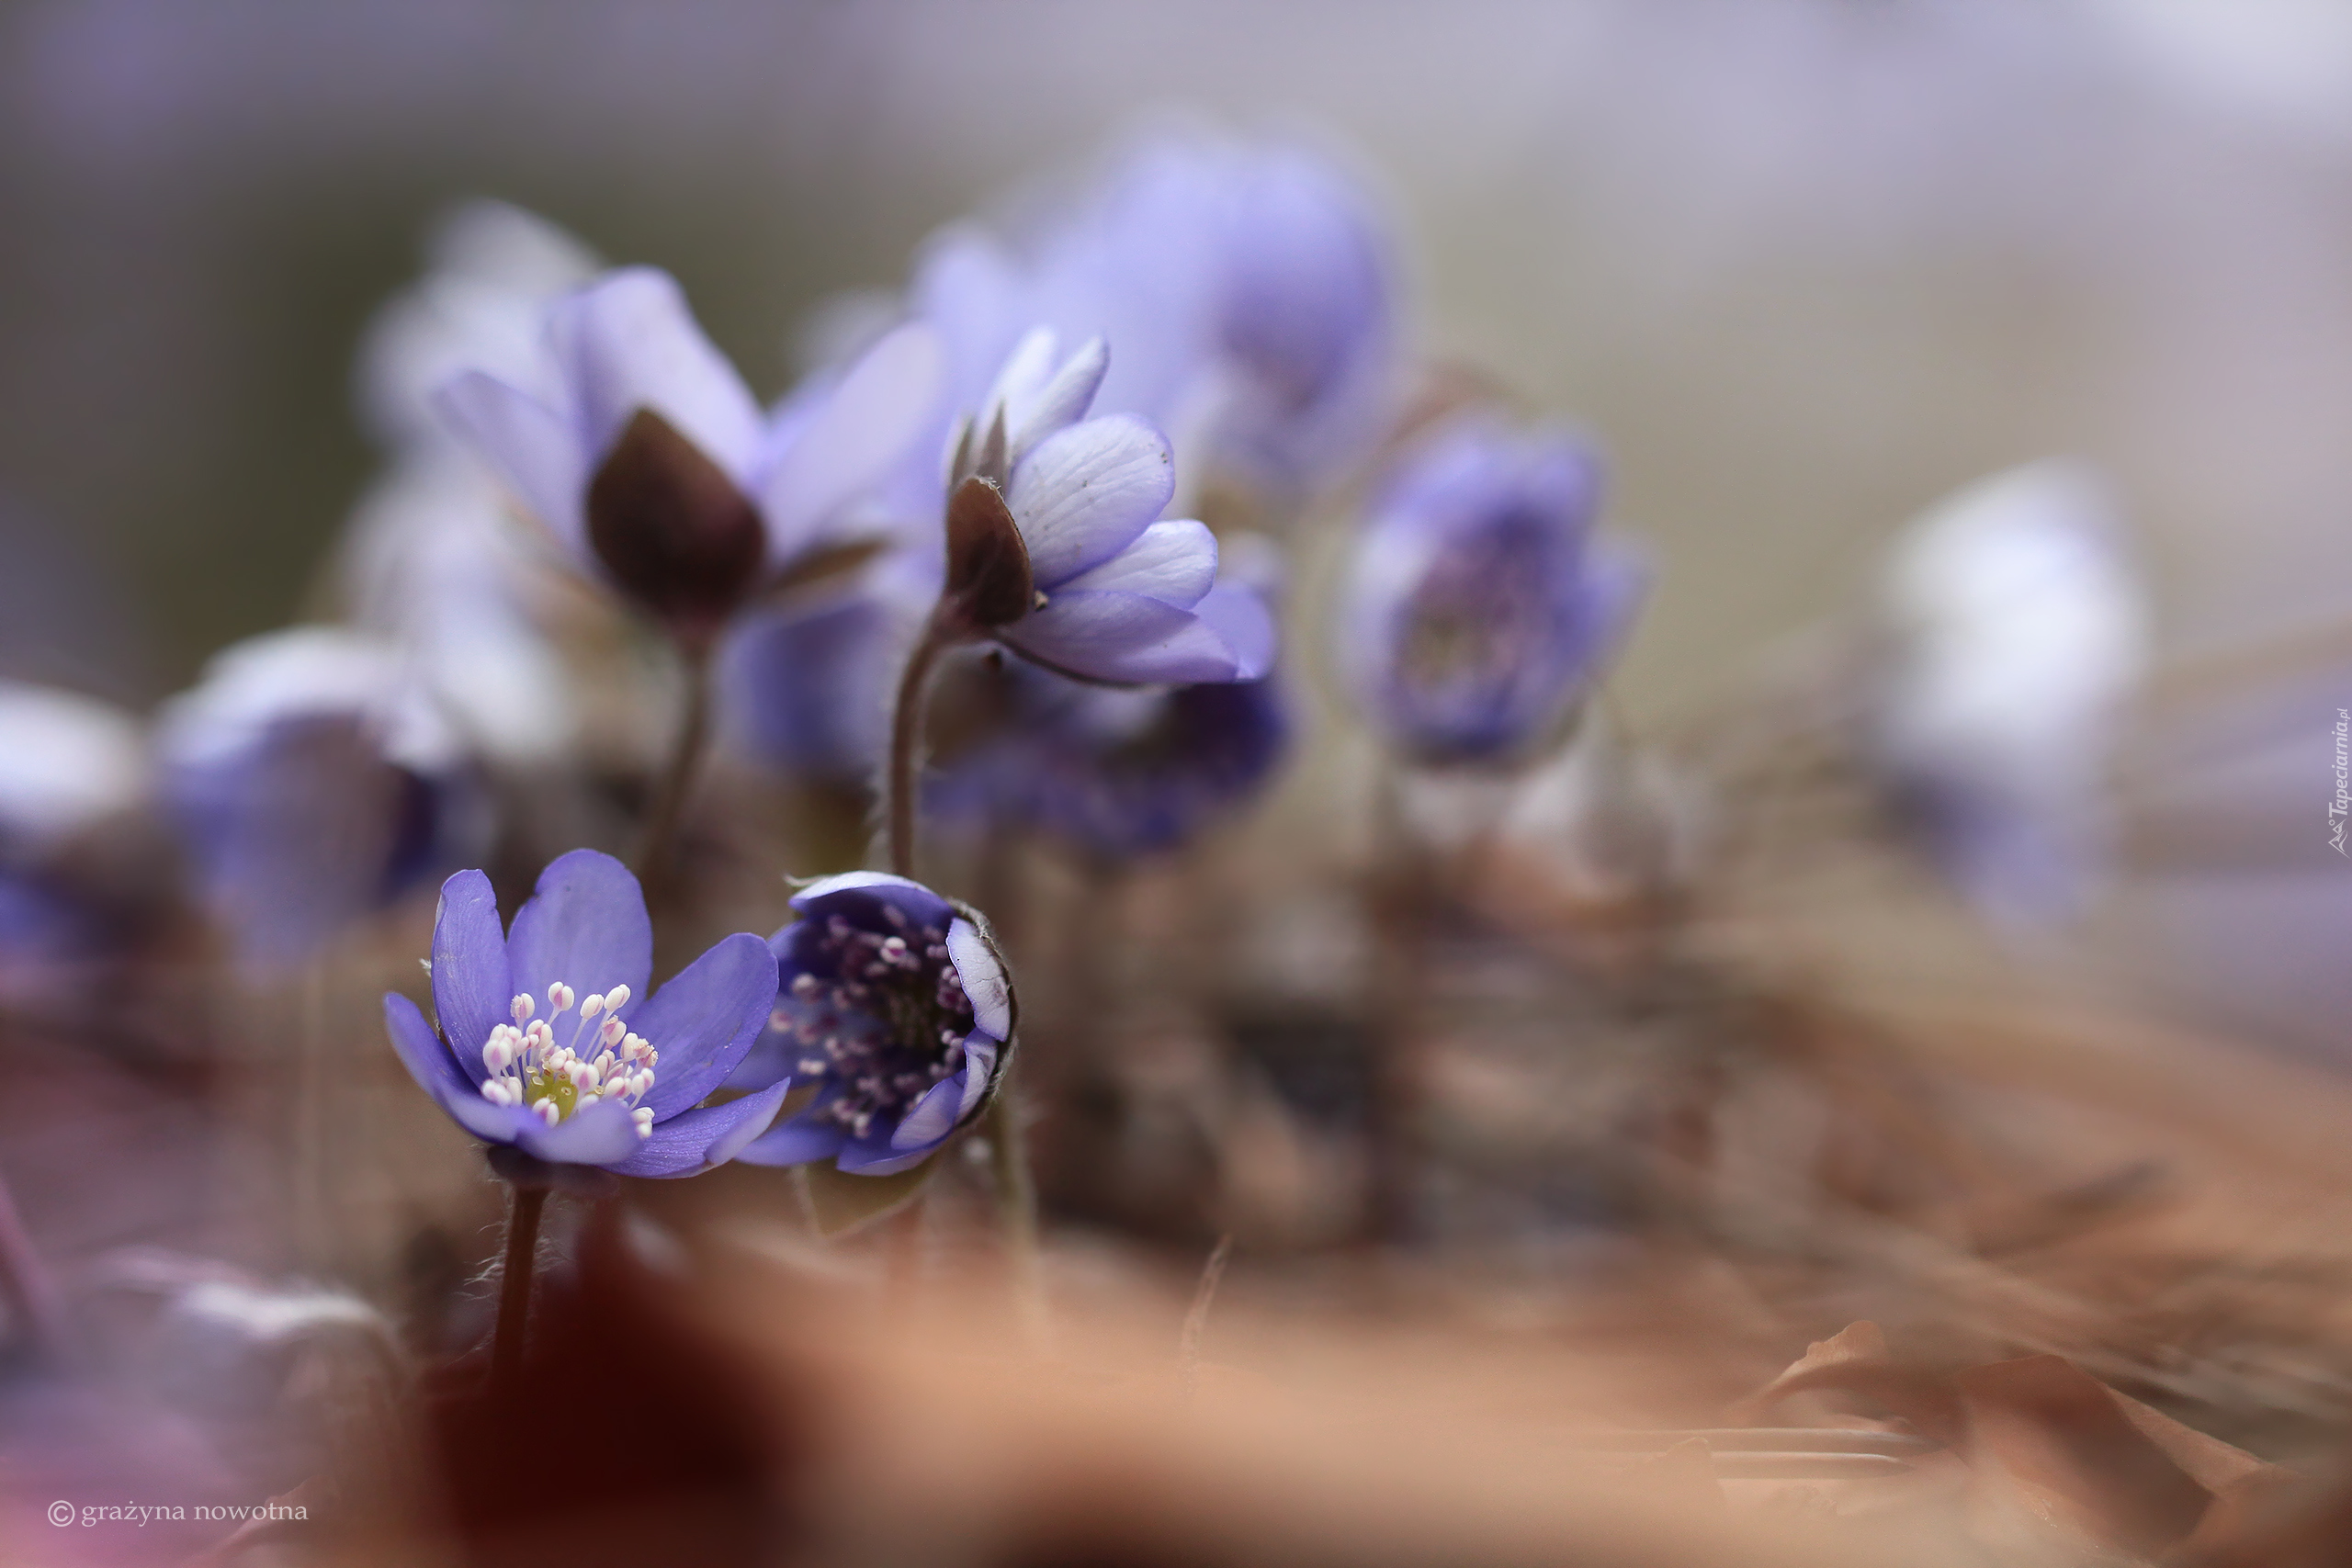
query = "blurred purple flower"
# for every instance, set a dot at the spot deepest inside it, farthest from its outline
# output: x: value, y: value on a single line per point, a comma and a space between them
x: 1115, y: 772
x: 808, y: 687
x: 313, y: 783
x: 898, y: 1004
x: 1120, y: 595
x: 617, y: 1085
x: 1248, y: 291
x: 1479, y: 606
x: 653, y: 463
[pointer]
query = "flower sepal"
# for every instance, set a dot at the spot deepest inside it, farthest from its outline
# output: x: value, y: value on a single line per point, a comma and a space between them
x: 673, y: 529
x: 839, y: 1203
x: 528, y: 1172
x: 988, y: 579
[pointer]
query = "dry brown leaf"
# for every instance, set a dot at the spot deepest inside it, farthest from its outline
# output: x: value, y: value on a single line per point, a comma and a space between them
x: 1856, y: 1360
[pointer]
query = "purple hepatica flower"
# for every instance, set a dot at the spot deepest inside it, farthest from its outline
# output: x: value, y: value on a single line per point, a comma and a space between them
x: 898, y: 1003
x: 1480, y: 605
x: 654, y: 464
x: 614, y: 1083
x: 1309, y: 316
x: 1115, y: 772
x: 313, y: 782
x: 1104, y: 589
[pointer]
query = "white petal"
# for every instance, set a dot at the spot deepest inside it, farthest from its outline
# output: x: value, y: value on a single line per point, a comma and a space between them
x: 1062, y: 401
x: 1128, y: 638
x: 979, y: 1069
x: 847, y: 880
x: 1242, y: 617
x: 1174, y: 562
x: 534, y: 451
x: 983, y: 976
x: 1085, y: 493
x: 853, y: 442
x: 1026, y: 371
x: 932, y: 1117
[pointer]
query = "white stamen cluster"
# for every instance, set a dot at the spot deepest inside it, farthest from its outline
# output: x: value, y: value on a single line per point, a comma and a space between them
x: 600, y: 1061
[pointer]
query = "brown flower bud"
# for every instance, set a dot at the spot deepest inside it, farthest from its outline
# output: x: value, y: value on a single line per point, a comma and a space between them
x: 673, y: 531
x: 987, y: 561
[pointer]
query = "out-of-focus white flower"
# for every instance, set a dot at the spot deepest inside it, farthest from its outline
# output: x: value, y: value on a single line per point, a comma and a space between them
x: 1596, y: 824
x: 490, y: 271
x: 67, y: 760
x: 72, y: 769
x: 2015, y: 633
x: 432, y: 559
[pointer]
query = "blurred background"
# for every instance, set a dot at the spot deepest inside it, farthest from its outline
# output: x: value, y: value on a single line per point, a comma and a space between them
x: 1800, y: 269
x: 1803, y: 266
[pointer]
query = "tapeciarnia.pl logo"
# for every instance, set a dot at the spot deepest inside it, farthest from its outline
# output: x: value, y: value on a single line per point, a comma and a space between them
x: 2341, y: 807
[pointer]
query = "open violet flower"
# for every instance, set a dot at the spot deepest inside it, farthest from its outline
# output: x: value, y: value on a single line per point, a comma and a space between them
x: 1480, y: 605
x: 1056, y: 547
x: 898, y: 1004
x: 546, y: 1043
x: 655, y: 465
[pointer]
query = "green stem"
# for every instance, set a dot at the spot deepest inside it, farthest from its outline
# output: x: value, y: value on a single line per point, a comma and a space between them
x: 514, y: 1288
x: 906, y: 742
x: 668, y: 809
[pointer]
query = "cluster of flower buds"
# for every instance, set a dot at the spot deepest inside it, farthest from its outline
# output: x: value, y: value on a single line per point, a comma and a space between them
x: 526, y: 1066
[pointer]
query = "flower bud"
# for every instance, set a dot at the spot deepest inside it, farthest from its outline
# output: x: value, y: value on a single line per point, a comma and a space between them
x: 987, y: 561
x: 673, y: 530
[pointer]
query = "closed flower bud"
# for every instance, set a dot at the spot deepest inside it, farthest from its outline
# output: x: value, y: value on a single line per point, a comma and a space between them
x: 672, y: 530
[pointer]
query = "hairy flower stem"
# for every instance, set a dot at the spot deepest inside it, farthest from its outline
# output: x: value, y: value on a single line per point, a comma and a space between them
x: 514, y: 1287
x: 659, y: 836
x: 906, y: 739
x: 1016, y: 1207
